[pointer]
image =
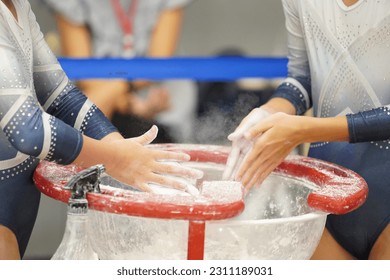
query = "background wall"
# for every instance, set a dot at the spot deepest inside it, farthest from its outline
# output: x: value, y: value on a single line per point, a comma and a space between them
x: 254, y: 26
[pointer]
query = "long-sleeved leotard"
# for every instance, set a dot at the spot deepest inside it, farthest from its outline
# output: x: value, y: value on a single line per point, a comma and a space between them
x: 339, y: 63
x: 42, y: 116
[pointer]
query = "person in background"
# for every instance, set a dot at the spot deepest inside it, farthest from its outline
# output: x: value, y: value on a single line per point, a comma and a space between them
x: 340, y: 65
x: 43, y: 116
x: 124, y: 28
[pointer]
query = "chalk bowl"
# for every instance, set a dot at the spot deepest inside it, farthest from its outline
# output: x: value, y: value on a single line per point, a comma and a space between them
x: 283, y: 218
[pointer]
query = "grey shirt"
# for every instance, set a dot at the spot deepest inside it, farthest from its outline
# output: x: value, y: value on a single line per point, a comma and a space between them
x: 107, y: 34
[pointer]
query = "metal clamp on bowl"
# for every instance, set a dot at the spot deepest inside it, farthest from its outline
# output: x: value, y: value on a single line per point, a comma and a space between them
x: 80, y: 184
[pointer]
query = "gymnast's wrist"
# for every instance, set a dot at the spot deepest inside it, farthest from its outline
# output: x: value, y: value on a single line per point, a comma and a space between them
x: 325, y: 129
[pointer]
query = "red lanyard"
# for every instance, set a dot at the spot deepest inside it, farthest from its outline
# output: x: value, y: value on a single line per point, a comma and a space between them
x: 126, y: 21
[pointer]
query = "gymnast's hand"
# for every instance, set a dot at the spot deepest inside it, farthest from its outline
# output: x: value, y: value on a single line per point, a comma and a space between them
x: 240, y: 145
x: 273, y: 139
x: 132, y: 162
x: 135, y: 164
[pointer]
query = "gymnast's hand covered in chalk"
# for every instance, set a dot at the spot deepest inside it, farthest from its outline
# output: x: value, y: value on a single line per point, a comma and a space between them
x: 240, y: 145
x: 132, y: 162
x: 274, y: 136
x: 273, y: 139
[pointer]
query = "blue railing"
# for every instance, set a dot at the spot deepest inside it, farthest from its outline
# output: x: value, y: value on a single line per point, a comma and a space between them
x: 197, y: 68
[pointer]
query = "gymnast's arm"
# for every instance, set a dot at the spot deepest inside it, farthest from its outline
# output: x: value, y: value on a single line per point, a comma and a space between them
x: 371, y: 125
x: 30, y: 129
x: 293, y: 96
x: 33, y: 131
x: 275, y: 136
x: 57, y: 94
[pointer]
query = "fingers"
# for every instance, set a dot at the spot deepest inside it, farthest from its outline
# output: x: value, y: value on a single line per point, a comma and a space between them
x: 258, y: 130
x: 168, y: 182
x: 236, y: 134
x: 242, y: 138
x: 245, y: 151
x: 169, y: 175
x: 143, y: 187
x: 176, y: 169
x: 253, y: 164
x: 147, y: 137
x: 238, y: 165
x: 255, y: 117
x: 260, y: 175
x: 261, y: 160
x: 239, y: 149
x: 240, y: 130
x: 166, y: 185
x: 168, y: 163
x: 231, y: 163
x: 255, y: 169
x: 170, y: 156
x: 255, y: 158
x: 165, y: 170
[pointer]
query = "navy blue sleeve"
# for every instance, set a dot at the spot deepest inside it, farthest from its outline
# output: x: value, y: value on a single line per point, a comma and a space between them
x: 297, y: 91
x: 75, y: 109
x: 36, y: 133
x: 60, y: 98
x: 372, y: 125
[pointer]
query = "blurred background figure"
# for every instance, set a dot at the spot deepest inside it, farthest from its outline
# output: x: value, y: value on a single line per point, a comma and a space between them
x: 129, y: 28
